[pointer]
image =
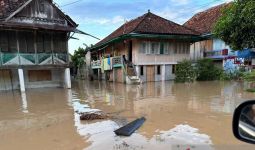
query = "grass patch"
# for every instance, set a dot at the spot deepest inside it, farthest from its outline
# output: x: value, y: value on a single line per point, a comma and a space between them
x: 250, y: 90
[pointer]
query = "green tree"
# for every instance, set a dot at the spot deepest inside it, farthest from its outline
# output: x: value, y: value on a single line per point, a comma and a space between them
x: 78, y: 57
x: 185, y: 72
x: 207, y: 71
x: 236, y: 26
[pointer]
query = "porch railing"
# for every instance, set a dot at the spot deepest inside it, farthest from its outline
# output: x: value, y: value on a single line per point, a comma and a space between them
x: 96, y: 64
x: 114, y: 61
x: 117, y: 61
x: 32, y: 59
x: 215, y: 53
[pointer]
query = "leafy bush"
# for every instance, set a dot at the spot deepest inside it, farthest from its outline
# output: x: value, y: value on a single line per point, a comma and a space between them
x: 250, y: 90
x: 207, y: 71
x: 237, y: 75
x: 185, y: 72
x: 249, y: 76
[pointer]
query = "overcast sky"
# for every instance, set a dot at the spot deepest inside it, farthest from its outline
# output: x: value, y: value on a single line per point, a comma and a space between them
x: 101, y: 17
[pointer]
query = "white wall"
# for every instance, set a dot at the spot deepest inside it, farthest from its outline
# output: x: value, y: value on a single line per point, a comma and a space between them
x: 169, y: 74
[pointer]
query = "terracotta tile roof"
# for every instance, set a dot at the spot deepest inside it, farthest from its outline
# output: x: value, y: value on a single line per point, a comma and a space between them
x: 149, y: 23
x: 9, y: 6
x: 203, y: 22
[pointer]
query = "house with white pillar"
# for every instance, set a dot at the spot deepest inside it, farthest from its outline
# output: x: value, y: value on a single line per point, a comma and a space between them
x: 34, y: 38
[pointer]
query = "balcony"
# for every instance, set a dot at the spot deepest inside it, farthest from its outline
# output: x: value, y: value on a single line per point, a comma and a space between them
x: 16, y: 59
x: 219, y: 54
x: 96, y: 64
x: 117, y: 61
x: 108, y: 64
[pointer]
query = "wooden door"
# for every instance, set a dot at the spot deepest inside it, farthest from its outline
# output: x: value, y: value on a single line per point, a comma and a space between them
x: 150, y: 71
x: 5, y: 80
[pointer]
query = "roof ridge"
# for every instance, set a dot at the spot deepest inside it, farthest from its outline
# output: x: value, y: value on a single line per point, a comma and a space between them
x: 207, y: 10
x: 123, y: 26
x: 144, y: 16
x: 169, y: 21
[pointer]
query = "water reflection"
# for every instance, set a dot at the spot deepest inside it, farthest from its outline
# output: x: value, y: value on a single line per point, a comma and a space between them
x: 203, y: 107
x: 24, y: 102
x: 179, y: 116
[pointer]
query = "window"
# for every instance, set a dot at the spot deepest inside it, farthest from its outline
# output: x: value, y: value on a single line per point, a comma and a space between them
x: 154, y: 48
x: 12, y: 37
x: 141, y: 71
x: 170, y: 49
x: 162, y: 48
x: 143, y: 47
x: 26, y: 42
x: 173, y: 69
x: 42, y: 7
x: 47, y: 42
x: 187, y: 48
x: 158, y: 70
x: 44, y: 42
x: 166, y: 49
x: 59, y: 40
x: 8, y: 41
x: 175, y: 48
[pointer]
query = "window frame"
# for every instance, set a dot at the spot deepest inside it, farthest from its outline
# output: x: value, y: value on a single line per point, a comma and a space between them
x: 143, y: 47
x: 157, y: 48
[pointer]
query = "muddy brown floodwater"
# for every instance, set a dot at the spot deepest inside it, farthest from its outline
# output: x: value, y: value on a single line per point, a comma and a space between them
x: 179, y: 116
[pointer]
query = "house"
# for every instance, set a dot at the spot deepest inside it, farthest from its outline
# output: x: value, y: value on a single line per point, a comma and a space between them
x: 210, y: 46
x: 34, y: 45
x: 144, y: 49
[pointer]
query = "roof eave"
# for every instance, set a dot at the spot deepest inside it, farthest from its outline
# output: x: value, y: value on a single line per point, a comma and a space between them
x: 190, y: 37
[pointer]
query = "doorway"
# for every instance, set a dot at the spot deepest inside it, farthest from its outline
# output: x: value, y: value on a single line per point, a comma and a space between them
x: 130, y: 53
x: 150, y: 71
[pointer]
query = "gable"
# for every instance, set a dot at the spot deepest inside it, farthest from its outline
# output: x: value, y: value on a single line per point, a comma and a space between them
x: 38, y: 14
x: 42, y: 12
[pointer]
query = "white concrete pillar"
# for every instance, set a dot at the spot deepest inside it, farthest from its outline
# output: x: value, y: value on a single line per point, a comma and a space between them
x: 21, y: 80
x: 67, y: 78
x: 163, y: 73
x: 137, y: 70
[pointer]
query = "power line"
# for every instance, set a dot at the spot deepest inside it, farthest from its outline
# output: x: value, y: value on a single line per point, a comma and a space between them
x: 74, y: 2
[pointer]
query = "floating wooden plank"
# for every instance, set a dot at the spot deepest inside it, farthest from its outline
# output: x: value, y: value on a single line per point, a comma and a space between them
x: 130, y: 128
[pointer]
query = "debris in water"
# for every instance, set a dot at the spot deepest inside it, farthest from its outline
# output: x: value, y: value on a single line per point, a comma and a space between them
x: 93, y: 116
x: 130, y: 128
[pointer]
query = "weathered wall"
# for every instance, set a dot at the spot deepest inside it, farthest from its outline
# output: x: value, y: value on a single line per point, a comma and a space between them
x: 169, y: 74
x: 156, y: 59
x: 197, y: 49
x: 9, y: 80
x: 158, y: 77
x: 142, y: 77
x: 118, y: 74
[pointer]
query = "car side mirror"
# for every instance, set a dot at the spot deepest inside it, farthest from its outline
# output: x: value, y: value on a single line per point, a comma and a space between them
x: 244, y: 122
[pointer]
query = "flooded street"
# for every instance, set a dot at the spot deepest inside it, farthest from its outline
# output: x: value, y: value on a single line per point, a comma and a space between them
x: 178, y: 116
